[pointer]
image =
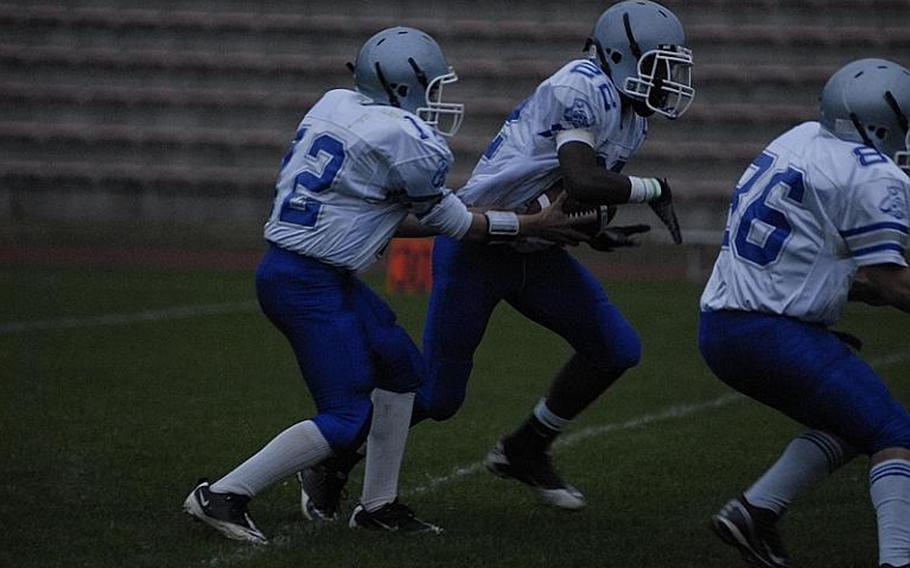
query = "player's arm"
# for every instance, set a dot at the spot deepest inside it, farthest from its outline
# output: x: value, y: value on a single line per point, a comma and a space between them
x: 582, y: 178
x: 872, y: 224
x: 411, y: 228
x: 585, y: 181
x: 883, y: 285
x: 450, y: 216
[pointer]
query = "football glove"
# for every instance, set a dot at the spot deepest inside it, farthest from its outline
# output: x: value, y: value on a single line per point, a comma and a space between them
x: 617, y: 237
x: 663, y: 208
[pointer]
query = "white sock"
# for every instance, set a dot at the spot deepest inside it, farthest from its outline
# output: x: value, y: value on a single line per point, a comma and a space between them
x: 889, y: 488
x: 546, y: 417
x: 298, y: 447
x: 385, y: 447
x: 806, y: 461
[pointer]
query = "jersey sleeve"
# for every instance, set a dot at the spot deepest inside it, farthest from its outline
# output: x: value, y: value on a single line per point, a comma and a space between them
x: 874, y: 223
x: 419, y: 165
x: 581, y: 97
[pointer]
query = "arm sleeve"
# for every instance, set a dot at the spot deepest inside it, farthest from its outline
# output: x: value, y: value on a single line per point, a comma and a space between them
x: 575, y: 135
x: 448, y: 216
x: 875, y: 223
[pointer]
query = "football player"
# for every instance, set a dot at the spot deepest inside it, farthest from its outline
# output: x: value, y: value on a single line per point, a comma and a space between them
x: 820, y: 216
x: 576, y: 130
x: 360, y: 162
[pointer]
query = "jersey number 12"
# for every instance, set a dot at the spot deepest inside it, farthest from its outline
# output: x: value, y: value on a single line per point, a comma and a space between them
x: 298, y: 208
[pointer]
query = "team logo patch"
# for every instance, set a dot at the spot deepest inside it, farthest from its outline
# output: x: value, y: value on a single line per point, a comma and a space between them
x: 442, y: 170
x: 580, y: 115
x: 895, y: 203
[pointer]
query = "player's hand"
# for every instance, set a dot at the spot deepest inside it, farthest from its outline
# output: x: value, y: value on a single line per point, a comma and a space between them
x: 663, y: 207
x: 554, y: 224
x: 617, y: 237
x: 862, y: 290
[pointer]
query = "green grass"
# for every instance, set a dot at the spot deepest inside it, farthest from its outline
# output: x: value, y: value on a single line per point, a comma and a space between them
x: 103, y: 431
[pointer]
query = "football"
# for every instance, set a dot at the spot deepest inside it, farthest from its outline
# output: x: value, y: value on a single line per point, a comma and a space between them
x: 548, y: 196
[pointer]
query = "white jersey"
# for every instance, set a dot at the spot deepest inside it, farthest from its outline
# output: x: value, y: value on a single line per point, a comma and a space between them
x: 352, y: 174
x: 806, y: 214
x: 521, y: 162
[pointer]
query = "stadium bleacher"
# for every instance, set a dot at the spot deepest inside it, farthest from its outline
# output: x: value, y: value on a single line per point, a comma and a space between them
x: 197, y: 100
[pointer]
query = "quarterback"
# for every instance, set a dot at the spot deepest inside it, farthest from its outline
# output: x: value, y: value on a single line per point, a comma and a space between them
x: 574, y: 133
x: 361, y: 161
x: 821, y: 216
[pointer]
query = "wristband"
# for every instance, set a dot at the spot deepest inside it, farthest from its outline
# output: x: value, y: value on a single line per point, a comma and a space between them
x: 502, y: 223
x: 644, y: 189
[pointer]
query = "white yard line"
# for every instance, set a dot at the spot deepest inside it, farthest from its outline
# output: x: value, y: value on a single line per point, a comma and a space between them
x: 676, y: 411
x: 164, y: 314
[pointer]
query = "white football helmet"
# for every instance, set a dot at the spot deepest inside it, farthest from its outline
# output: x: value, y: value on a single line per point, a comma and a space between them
x: 642, y: 46
x: 867, y: 102
x: 404, y: 67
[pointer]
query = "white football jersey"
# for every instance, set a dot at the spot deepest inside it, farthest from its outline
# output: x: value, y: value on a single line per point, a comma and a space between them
x: 521, y: 162
x: 805, y: 215
x: 352, y: 173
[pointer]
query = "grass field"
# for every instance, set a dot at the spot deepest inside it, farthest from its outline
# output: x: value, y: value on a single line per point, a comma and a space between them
x: 106, y: 423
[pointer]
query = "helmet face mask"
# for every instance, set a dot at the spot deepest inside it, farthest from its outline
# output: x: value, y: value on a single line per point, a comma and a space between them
x: 902, y: 157
x: 664, y: 81
x: 405, y: 68
x: 444, y: 117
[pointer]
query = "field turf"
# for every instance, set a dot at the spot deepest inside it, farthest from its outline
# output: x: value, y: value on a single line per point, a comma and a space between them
x: 106, y: 423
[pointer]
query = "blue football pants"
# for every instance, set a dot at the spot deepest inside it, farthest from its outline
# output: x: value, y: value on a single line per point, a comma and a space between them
x: 806, y: 372
x: 345, y: 338
x: 548, y: 287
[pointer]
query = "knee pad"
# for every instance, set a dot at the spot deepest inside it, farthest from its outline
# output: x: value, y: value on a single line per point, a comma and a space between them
x: 443, y: 392
x: 617, y: 353
x: 345, y: 431
x: 442, y: 409
x: 400, y: 367
x: 627, y: 351
x: 895, y: 433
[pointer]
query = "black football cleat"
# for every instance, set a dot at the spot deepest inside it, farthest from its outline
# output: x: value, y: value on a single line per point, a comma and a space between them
x: 536, y: 470
x: 225, y: 512
x: 391, y: 517
x: 738, y: 525
x: 321, y: 492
